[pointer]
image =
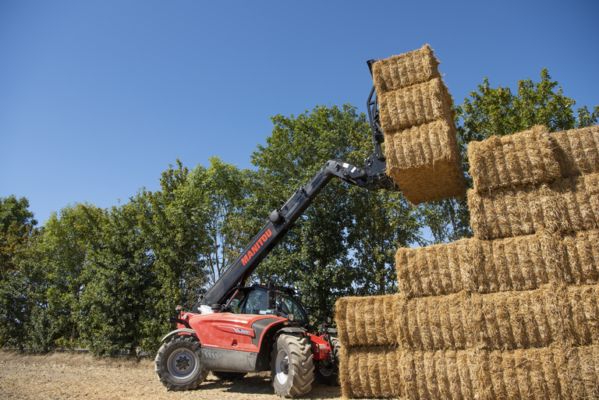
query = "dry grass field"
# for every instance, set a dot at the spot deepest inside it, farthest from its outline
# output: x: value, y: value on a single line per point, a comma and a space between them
x: 78, y: 376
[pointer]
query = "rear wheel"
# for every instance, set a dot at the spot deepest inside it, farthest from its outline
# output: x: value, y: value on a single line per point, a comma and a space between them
x: 292, y: 368
x: 327, y: 371
x: 228, y: 376
x: 179, y: 363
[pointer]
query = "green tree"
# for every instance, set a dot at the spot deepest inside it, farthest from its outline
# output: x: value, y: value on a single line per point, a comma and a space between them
x: 13, y: 210
x: 500, y: 112
x: 225, y: 189
x: 118, y: 281
x: 16, y: 225
x: 17, y: 228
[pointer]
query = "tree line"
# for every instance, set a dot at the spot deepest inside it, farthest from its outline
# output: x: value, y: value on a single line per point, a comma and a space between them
x: 107, y: 279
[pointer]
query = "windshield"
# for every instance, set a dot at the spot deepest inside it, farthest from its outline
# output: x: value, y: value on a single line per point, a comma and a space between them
x: 256, y: 302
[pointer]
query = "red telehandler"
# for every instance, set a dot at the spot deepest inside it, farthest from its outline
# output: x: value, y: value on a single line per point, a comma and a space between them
x: 234, y: 329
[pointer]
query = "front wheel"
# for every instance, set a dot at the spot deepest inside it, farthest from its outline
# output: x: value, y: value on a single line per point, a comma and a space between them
x: 327, y: 371
x: 179, y: 363
x: 292, y: 368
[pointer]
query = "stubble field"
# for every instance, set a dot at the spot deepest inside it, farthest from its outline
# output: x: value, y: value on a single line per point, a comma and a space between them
x: 79, y: 376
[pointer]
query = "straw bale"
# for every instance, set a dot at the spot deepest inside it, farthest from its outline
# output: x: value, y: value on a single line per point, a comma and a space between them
x: 570, y: 204
x: 551, y: 372
x: 579, y: 305
x: 404, y: 70
x: 581, y: 254
x: 523, y: 158
x: 518, y: 263
x: 465, y: 320
x: 370, y: 372
x: 425, y: 161
x: 505, y: 320
x: 367, y: 321
x: 345, y: 374
x: 577, y: 151
x: 414, y: 105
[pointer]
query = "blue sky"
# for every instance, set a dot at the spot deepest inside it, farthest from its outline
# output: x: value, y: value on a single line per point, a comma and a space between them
x: 97, y: 98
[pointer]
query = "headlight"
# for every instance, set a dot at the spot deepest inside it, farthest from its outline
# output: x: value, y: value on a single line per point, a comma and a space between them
x: 290, y: 317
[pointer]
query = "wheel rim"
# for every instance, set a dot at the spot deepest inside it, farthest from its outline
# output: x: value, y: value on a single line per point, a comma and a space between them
x: 182, y: 364
x: 282, y: 367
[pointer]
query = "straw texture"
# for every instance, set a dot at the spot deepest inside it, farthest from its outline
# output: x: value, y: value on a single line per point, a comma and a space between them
x: 404, y: 70
x: 367, y: 321
x: 420, y: 137
x: 414, y: 105
x: 577, y: 150
x: 523, y: 158
x: 425, y: 161
x: 553, y: 372
x: 370, y: 372
x: 496, y: 321
x: 519, y: 263
x: 570, y: 204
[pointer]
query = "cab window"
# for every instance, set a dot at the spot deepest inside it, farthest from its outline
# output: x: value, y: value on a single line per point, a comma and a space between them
x: 288, y: 305
x: 237, y: 303
x: 257, y: 303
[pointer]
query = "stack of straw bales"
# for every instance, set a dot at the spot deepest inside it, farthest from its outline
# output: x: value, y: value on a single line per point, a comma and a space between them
x: 510, y: 313
x: 531, y: 181
x: 422, y: 151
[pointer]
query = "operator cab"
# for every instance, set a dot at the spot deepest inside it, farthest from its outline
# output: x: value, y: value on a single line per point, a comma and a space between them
x: 262, y: 300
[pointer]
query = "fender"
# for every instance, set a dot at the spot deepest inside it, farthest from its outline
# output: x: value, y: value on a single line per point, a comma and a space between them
x: 291, y: 330
x: 178, y: 331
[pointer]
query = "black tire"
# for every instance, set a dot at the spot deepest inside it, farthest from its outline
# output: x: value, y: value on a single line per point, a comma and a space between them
x: 179, y: 363
x: 291, y: 366
x: 228, y: 376
x: 328, y: 372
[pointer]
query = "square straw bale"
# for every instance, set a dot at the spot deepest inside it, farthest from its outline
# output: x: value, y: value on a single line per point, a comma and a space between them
x: 415, y: 105
x: 550, y: 372
x: 567, y: 205
x: 367, y: 321
x: 371, y: 371
x: 404, y: 70
x: 581, y: 252
x: 505, y: 320
x: 494, y: 321
x: 580, y: 305
x: 520, y: 263
x: 577, y: 151
x: 425, y: 161
x: 519, y: 159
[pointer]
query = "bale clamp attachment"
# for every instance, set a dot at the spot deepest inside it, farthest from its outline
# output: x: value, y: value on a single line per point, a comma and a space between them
x: 376, y: 164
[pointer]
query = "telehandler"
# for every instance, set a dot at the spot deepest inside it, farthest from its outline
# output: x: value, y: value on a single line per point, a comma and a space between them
x: 234, y: 329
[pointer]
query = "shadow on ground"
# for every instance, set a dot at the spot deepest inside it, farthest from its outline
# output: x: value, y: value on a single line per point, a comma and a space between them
x: 261, y: 384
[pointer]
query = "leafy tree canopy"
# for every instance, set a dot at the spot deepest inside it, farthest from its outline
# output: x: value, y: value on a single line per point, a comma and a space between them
x: 13, y: 210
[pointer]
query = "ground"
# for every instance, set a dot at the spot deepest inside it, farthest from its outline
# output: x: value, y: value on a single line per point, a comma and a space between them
x: 80, y: 376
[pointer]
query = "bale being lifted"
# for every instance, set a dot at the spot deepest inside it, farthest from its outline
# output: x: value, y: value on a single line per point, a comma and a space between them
x: 425, y: 162
x: 405, y: 70
x: 422, y: 152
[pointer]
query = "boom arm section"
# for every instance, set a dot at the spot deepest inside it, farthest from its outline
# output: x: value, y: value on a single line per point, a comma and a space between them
x: 282, y: 219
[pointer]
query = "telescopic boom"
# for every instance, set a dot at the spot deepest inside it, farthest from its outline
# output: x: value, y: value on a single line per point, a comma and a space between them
x: 282, y: 219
